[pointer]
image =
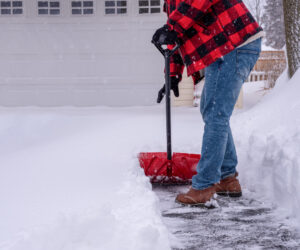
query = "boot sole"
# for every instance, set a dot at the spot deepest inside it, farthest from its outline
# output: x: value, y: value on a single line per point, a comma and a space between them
x: 230, y: 194
x: 200, y: 205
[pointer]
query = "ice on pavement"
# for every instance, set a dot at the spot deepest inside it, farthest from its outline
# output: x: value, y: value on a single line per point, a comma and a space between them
x: 238, y: 223
x: 70, y: 179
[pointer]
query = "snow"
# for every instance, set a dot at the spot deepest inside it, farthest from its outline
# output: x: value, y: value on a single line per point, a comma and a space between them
x: 267, y: 48
x: 70, y: 179
x: 268, y: 139
x: 253, y: 93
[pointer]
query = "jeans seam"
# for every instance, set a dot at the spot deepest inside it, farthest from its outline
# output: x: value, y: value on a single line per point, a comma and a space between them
x: 215, y: 92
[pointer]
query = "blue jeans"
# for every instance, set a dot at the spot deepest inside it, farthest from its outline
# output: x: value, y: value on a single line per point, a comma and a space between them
x: 223, y: 81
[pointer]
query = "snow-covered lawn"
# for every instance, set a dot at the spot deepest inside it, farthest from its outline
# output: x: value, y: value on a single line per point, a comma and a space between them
x: 70, y: 179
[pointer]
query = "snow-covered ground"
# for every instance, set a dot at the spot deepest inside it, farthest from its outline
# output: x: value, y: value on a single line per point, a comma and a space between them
x: 70, y: 179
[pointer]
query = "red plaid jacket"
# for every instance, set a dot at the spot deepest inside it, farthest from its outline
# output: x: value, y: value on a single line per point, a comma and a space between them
x: 208, y: 30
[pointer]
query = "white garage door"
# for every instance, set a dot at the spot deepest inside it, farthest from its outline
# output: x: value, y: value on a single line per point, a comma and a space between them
x: 79, y: 52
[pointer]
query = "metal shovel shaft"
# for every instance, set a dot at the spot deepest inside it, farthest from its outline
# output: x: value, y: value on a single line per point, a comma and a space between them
x: 168, y: 106
x: 167, y: 54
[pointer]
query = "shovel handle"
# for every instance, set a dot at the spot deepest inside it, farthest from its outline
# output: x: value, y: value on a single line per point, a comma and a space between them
x: 167, y: 54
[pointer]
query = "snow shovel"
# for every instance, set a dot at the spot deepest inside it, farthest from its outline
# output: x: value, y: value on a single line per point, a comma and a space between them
x: 165, y: 167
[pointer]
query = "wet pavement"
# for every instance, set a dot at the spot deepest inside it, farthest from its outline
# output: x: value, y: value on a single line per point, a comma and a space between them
x: 238, y: 223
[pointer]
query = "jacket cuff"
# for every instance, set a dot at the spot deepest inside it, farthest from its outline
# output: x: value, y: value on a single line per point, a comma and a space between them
x: 197, y: 77
x: 178, y: 76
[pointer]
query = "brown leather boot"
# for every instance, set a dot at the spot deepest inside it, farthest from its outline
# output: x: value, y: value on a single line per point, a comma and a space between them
x: 229, y: 186
x: 196, y: 197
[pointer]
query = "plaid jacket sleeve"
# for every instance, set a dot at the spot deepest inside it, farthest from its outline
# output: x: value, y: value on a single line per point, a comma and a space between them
x: 176, y: 64
x: 187, y: 12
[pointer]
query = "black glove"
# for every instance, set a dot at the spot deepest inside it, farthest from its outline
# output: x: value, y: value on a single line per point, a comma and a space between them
x: 174, y: 86
x: 164, y: 36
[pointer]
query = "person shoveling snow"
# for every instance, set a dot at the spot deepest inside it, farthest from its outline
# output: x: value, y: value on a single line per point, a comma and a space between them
x: 224, y: 38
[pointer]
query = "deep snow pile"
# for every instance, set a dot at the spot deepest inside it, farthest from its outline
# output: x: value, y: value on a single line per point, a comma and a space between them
x: 71, y: 181
x: 268, y: 143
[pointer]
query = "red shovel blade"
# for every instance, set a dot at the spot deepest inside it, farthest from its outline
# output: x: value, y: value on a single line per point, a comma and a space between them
x: 179, y: 170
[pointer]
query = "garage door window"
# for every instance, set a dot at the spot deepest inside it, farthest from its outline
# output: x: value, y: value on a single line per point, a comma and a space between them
x: 82, y: 7
x: 48, y: 8
x: 11, y: 7
x: 149, y: 6
x: 115, y: 7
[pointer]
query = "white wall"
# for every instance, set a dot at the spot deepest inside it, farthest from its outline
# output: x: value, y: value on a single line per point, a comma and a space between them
x: 86, y: 60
